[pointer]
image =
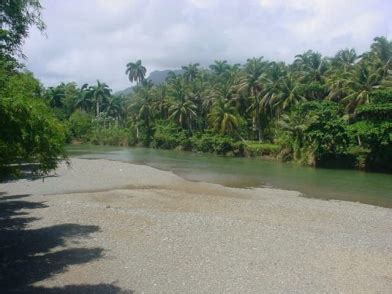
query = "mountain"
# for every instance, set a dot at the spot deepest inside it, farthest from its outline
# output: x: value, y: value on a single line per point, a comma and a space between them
x: 157, y: 77
x: 124, y: 93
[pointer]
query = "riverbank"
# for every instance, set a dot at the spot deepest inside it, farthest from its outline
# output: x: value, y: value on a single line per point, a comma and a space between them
x: 106, y: 226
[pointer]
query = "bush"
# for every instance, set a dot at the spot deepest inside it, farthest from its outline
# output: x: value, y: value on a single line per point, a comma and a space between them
x: 80, y: 124
x: 217, y: 143
x: 114, y: 136
x: 254, y: 148
x: 169, y: 136
x: 29, y: 133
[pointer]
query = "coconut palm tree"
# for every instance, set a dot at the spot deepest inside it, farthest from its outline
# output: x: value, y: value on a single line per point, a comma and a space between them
x: 183, y: 110
x: 272, y: 81
x: 345, y: 59
x: 161, y: 102
x: 296, y: 126
x: 190, y: 71
x: 382, y: 48
x: 312, y: 66
x: 83, y: 101
x: 223, y: 116
x: 254, y: 70
x: 355, y: 88
x: 183, y: 113
x: 136, y: 71
x: 287, y: 94
x: 219, y: 67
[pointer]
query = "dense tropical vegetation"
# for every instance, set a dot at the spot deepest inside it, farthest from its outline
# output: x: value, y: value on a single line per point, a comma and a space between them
x: 320, y: 111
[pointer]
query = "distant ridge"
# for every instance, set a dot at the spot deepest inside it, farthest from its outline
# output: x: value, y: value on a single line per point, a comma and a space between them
x: 156, y: 77
x: 159, y: 76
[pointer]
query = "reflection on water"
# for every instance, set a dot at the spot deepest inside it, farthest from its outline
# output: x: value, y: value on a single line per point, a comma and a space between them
x: 371, y: 188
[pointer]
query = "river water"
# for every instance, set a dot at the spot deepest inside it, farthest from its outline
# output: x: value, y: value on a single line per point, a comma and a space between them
x: 350, y: 185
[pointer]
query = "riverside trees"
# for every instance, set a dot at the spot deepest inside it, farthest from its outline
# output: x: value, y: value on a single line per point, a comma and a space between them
x: 29, y: 131
x: 317, y: 110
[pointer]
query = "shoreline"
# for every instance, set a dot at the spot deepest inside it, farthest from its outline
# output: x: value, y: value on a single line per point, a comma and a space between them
x: 148, y: 230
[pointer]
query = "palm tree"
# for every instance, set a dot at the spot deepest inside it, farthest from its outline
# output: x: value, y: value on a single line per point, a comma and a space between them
x: 183, y: 113
x: 219, y: 67
x: 254, y: 69
x: 223, y: 117
x: 272, y: 81
x: 113, y: 107
x: 136, y: 71
x: 312, y: 66
x: 144, y: 104
x: 182, y: 110
x: 296, y: 126
x: 56, y: 95
x: 161, y: 104
x: 83, y: 101
x: 381, y: 55
x: 345, y: 59
x: 287, y: 94
x: 99, y: 93
x: 382, y: 48
x: 354, y: 88
x: 190, y: 71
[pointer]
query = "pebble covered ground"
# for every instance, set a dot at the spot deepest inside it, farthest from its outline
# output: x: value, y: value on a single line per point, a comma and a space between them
x: 111, y: 227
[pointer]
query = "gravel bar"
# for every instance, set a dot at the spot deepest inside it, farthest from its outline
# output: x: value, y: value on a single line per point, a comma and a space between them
x: 103, y: 226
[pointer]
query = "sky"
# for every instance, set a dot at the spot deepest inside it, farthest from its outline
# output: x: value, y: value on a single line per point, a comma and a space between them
x: 86, y: 40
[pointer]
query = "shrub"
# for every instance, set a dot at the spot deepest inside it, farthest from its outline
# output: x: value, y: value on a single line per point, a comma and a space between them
x: 217, y: 143
x: 80, y: 124
x: 254, y: 148
x: 29, y: 133
x: 114, y: 136
x: 168, y: 136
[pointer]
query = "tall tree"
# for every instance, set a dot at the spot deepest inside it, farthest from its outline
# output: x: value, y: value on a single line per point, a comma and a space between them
x: 99, y: 93
x: 136, y: 71
x: 190, y: 71
x: 16, y: 18
x: 224, y: 117
x: 254, y: 69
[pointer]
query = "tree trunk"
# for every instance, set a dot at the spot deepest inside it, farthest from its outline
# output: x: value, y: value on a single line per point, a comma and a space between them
x: 258, y: 128
x: 97, y: 107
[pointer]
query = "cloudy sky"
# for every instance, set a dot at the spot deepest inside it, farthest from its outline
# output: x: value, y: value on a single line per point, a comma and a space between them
x: 94, y: 39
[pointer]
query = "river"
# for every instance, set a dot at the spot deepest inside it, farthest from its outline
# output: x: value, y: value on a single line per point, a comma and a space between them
x: 349, y: 185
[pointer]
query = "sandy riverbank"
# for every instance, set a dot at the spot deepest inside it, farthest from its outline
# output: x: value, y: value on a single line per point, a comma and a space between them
x: 105, y: 226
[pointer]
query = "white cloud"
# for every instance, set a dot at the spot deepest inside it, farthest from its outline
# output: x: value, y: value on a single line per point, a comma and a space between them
x: 93, y: 39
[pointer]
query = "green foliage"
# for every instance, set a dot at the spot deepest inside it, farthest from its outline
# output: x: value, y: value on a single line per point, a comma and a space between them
x: 372, y: 130
x: 113, y: 136
x: 168, y: 136
x: 255, y: 148
x: 314, y: 131
x: 80, y: 124
x: 312, y: 91
x: 217, y: 143
x: 29, y: 133
x: 17, y: 16
x: 326, y: 133
x: 319, y: 111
